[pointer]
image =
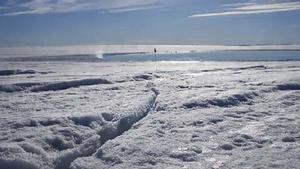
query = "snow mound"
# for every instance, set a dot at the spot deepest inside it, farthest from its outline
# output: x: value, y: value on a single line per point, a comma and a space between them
x: 111, y: 131
x: 50, y: 121
x: 15, y: 157
x: 16, y: 72
x: 142, y: 77
x: 185, y: 154
x: 16, y: 164
x: 106, y: 130
x: 289, y: 86
x: 225, y: 101
x: 69, y: 84
x: 88, y: 121
x: 10, y: 88
x: 85, y: 149
x: 58, y: 143
x: 17, y: 87
x: 127, y: 120
x: 30, y: 148
x: 54, y: 58
x: 257, y: 67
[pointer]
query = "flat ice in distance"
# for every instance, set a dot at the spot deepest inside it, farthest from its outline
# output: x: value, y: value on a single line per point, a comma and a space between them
x: 99, y: 50
x: 127, y: 115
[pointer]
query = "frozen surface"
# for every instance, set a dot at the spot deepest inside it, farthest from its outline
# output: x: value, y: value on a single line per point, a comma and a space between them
x: 87, y: 50
x: 127, y: 115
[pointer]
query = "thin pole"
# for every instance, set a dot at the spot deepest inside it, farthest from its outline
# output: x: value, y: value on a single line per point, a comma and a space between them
x: 156, y: 59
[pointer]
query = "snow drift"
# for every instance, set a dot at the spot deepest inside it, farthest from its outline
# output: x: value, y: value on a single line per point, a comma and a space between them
x: 51, y: 86
x: 16, y: 72
x: 225, y: 101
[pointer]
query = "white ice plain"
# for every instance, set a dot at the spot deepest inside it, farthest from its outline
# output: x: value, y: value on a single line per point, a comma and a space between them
x: 127, y: 115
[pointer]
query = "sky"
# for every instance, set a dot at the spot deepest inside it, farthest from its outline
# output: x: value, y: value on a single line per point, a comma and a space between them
x: 165, y: 22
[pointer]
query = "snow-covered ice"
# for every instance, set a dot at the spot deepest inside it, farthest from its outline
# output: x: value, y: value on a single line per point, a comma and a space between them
x: 80, y: 115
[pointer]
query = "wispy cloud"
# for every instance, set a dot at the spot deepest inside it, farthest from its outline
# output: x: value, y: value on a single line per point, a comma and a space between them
x: 3, y: 7
x: 134, y: 8
x: 65, y: 6
x: 252, y: 8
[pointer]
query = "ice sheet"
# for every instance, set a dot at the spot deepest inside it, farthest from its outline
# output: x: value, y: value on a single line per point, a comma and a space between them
x: 128, y: 115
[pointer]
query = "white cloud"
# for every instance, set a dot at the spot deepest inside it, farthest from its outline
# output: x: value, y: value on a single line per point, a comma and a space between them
x: 253, y: 8
x: 134, y: 8
x: 65, y: 6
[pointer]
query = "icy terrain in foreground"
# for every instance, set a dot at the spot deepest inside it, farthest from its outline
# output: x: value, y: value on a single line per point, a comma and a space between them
x: 125, y: 115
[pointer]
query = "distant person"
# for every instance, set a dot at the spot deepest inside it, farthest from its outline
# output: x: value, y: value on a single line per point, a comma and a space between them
x: 155, y: 50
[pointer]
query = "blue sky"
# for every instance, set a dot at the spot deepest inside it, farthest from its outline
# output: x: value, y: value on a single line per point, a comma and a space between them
x: 80, y: 22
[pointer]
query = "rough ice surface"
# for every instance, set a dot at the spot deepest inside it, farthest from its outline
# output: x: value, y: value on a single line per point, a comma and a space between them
x: 127, y: 115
